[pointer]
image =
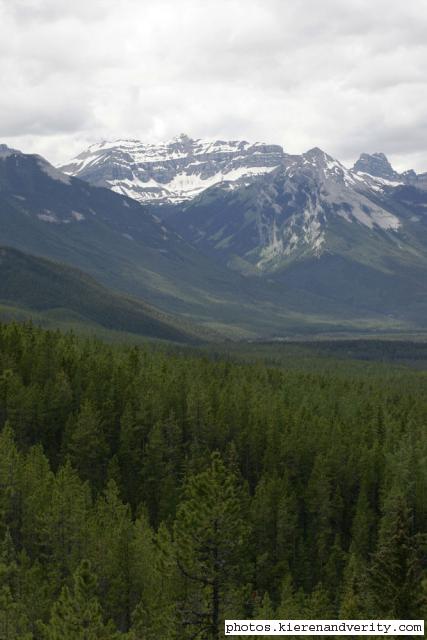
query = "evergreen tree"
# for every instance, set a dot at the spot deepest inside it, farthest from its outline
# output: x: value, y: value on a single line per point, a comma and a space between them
x: 263, y: 610
x: 321, y: 502
x: 110, y: 538
x: 14, y: 623
x: 62, y: 527
x: 353, y: 599
x: 154, y: 583
x: 161, y: 471
x: 10, y: 483
x: 397, y: 571
x: 77, y: 614
x: 88, y: 447
x: 210, y: 541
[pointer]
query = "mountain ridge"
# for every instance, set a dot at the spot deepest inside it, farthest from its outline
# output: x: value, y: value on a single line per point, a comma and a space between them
x: 180, y: 169
x: 308, y: 246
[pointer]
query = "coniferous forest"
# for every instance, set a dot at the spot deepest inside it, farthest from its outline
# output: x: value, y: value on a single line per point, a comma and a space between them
x: 148, y: 493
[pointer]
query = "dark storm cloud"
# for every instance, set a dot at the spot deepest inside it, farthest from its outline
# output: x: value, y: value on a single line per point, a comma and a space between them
x: 345, y: 76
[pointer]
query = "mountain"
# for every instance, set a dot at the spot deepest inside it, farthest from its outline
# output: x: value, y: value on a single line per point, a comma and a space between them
x: 111, y: 237
x: 312, y: 206
x: 260, y: 210
x: 378, y: 172
x: 349, y: 236
x: 46, y: 213
x: 377, y: 165
x: 285, y: 245
x: 178, y: 170
x: 124, y: 247
x: 50, y: 291
x: 173, y: 171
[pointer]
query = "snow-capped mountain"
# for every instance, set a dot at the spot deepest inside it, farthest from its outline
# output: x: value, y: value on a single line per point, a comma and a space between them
x: 271, y: 242
x: 285, y: 206
x: 314, y: 226
x: 173, y: 171
x: 257, y: 207
x: 377, y: 172
x: 307, y: 206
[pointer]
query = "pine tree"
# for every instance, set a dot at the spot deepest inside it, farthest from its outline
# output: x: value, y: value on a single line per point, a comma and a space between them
x: 362, y: 526
x: 210, y: 542
x: 14, y: 623
x: 62, y: 525
x: 110, y: 536
x: 88, y: 447
x: 319, y: 605
x: 77, y: 614
x: 10, y: 482
x: 154, y: 582
x: 131, y: 443
x: 353, y: 597
x: 319, y: 501
x: 396, y: 572
x: 263, y: 610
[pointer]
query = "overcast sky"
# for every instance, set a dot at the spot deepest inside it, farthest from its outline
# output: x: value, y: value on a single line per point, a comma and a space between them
x: 345, y: 75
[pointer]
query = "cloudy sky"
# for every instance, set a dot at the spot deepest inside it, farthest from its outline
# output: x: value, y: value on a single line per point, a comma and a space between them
x: 348, y: 76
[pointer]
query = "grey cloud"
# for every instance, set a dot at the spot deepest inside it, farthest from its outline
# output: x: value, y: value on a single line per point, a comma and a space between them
x: 56, y: 10
x: 43, y: 120
x: 346, y: 76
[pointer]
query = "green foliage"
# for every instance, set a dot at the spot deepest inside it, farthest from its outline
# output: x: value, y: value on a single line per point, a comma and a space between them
x: 199, y: 488
x: 77, y: 614
x: 14, y: 623
x: 397, y: 570
x: 210, y: 537
x: 33, y: 286
x: 87, y: 445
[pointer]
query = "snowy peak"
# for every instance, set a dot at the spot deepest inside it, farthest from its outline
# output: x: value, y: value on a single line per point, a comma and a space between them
x: 376, y: 165
x: 317, y: 156
x: 325, y: 165
x: 379, y: 175
x: 322, y: 169
x: 179, y: 169
x: 172, y: 171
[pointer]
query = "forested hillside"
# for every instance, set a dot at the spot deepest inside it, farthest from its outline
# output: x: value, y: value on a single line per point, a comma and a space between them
x: 34, y: 287
x: 148, y: 494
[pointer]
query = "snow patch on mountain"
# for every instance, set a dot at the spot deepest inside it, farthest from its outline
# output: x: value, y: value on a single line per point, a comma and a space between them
x: 183, y: 186
x: 48, y: 217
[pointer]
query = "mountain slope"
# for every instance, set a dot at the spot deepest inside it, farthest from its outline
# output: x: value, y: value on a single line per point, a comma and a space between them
x: 319, y: 228
x: 257, y: 207
x: 54, y: 290
x: 116, y: 240
x: 312, y: 207
x: 113, y: 238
